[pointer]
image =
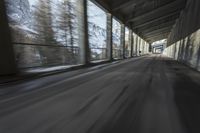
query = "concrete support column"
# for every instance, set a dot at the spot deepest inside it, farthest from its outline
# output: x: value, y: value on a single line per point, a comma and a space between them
x: 136, y: 46
x: 143, y: 47
x: 123, y: 40
x: 131, y: 41
x: 154, y: 50
x: 139, y: 46
x: 109, y: 36
x: 150, y: 48
x: 7, y: 60
x: 147, y: 47
x: 83, y: 32
x: 134, y: 40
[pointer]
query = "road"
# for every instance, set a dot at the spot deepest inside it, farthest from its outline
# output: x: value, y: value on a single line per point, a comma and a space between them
x: 150, y: 94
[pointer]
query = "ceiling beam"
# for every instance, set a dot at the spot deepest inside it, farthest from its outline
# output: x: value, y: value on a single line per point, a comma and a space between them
x: 124, y: 4
x: 159, y: 15
x: 156, y: 25
x: 151, y: 40
x: 157, y: 35
x: 105, y: 6
x: 155, y: 30
x: 102, y: 4
x: 175, y: 5
x: 172, y: 16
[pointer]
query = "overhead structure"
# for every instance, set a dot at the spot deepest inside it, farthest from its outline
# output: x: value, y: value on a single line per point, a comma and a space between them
x: 151, y: 19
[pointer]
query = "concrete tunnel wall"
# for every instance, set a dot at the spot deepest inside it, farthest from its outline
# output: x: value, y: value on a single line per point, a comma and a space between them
x: 184, y: 39
x: 7, y: 63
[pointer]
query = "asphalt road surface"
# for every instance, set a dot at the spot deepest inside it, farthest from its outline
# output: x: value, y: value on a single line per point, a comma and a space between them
x: 150, y: 94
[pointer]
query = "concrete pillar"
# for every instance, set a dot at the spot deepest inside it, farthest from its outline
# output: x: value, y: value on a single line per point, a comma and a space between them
x: 131, y: 41
x: 139, y: 44
x: 134, y: 39
x: 123, y: 40
x: 143, y: 48
x: 83, y: 32
x: 109, y: 36
x: 147, y: 47
x: 7, y: 60
x: 150, y: 47
x: 136, y: 45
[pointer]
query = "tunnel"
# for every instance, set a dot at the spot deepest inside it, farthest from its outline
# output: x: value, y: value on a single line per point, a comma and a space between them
x: 99, y: 66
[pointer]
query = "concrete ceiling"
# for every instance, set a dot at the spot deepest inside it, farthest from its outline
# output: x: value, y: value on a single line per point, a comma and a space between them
x: 150, y: 19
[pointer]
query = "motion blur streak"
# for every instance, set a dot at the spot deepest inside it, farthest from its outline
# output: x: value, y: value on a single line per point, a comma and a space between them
x: 152, y: 94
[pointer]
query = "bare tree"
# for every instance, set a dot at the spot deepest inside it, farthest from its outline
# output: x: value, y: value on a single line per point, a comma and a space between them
x: 45, y: 33
x: 43, y: 21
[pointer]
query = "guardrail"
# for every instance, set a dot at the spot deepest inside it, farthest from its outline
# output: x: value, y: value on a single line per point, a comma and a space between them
x: 29, y: 55
x: 117, y: 53
x: 98, y: 54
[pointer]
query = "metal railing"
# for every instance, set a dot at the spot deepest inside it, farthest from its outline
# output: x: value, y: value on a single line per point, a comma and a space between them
x: 30, y: 55
x: 117, y: 53
x: 98, y: 54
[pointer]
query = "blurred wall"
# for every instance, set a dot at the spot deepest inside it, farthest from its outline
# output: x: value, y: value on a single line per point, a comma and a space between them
x: 184, y: 39
x: 7, y: 62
